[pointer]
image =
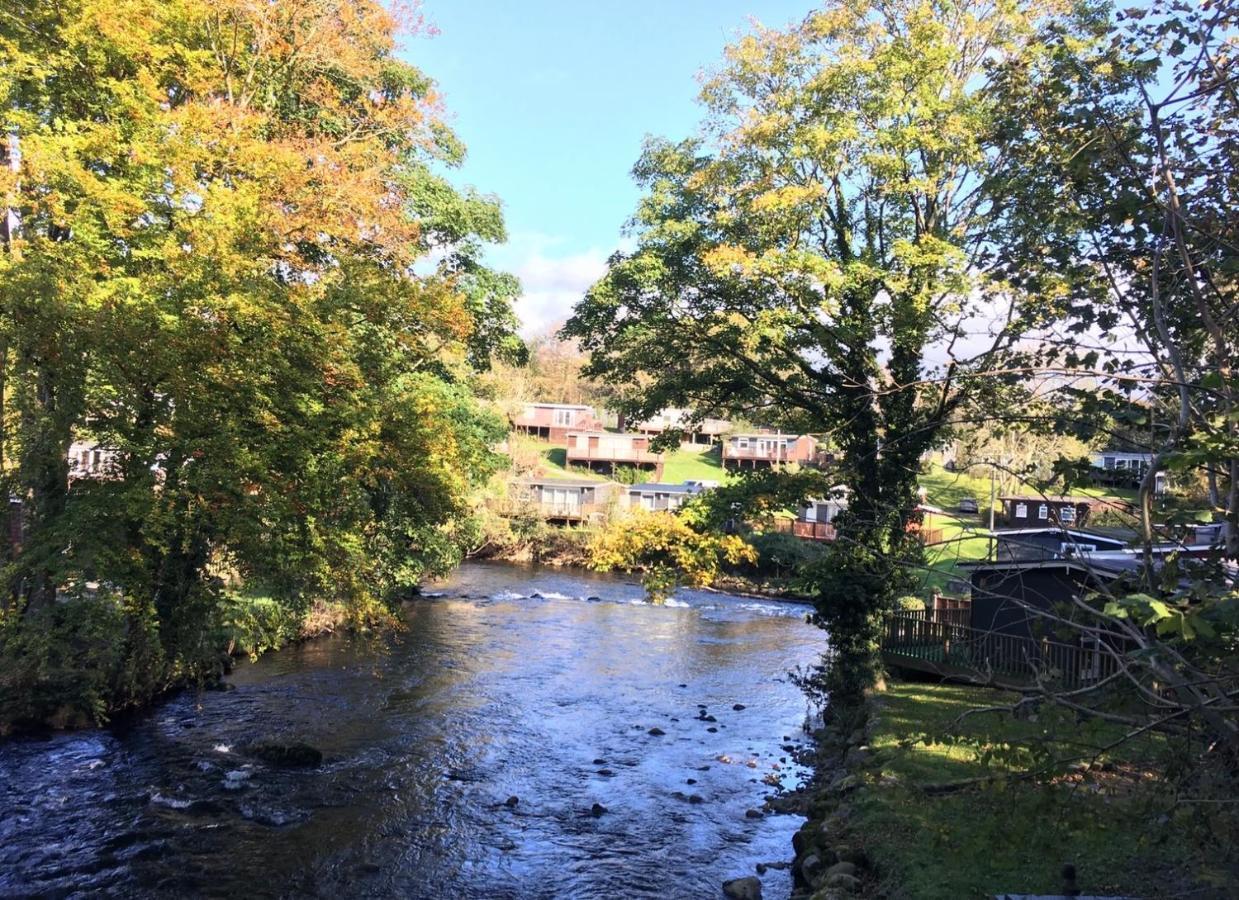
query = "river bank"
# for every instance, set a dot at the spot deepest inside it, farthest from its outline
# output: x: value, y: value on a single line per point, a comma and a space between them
x: 908, y: 800
x: 529, y: 733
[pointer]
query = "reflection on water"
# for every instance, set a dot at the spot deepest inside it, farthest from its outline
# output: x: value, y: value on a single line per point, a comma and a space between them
x: 512, y: 683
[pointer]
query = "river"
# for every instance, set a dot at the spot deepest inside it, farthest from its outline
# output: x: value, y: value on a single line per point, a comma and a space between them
x: 540, y: 685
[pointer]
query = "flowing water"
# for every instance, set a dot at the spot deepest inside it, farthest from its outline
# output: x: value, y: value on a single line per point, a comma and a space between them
x: 533, y: 684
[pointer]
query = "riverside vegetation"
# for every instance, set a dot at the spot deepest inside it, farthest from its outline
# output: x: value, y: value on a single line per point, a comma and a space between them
x: 208, y: 271
x: 234, y: 262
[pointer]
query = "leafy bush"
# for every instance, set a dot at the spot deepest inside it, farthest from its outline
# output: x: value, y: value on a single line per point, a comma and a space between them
x: 75, y: 662
x: 254, y: 625
x: 782, y: 555
x: 666, y: 549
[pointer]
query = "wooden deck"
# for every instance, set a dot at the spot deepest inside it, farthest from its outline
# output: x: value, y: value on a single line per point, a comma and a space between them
x: 921, y: 642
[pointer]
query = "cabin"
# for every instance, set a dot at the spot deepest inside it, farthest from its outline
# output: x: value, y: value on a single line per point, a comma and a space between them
x: 1024, y: 544
x: 91, y: 461
x: 1036, y: 510
x: 565, y: 500
x: 704, y: 433
x: 553, y: 421
x: 656, y: 496
x: 604, y: 450
x: 1006, y: 595
x: 815, y: 519
x: 1123, y: 468
x: 754, y: 451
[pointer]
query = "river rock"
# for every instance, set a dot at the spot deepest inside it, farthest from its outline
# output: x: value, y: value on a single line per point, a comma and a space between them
x: 294, y: 754
x: 746, y: 888
x: 597, y: 810
x: 753, y: 814
x: 855, y: 855
x: 739, y: 706
x: 656, y: 732
x: 842, y: 882
x: 511, y: 802
x: 593, y: 599
x: 842, y: 868
x: 811, y: 869
x: 600, y: 761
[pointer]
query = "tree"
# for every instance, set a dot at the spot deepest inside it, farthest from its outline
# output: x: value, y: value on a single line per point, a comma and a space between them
x: 667, y: 549
x: 819, y: 256
x: 221, y: 209
x: 1129, y: 127
x: 1128, y: 124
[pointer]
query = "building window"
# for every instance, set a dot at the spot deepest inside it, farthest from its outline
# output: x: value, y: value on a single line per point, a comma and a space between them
x: 1067, y: 515
x: 1108, y: 462
x: 1021, y: 510
x: 563, y: 417
x: 742, y: 443
x: 1043, y: 512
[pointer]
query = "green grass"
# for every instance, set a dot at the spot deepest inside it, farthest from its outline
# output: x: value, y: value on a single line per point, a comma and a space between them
x: 961, y: 533
x: 962, y: 539
x: 680, y: 465
x: 694, y: 465
x: 1004, y: 836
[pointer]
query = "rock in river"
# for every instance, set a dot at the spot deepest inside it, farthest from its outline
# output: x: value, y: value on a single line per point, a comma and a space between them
x: 287, y: 753
x: 747, y: 888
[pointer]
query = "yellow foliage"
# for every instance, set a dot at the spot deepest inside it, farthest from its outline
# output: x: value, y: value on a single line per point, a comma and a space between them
x: 666, y: 550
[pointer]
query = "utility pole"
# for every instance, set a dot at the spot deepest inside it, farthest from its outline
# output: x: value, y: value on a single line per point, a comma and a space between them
x: 993, y: 490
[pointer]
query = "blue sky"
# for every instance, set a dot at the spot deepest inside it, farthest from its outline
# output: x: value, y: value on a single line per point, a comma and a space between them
x: 553, y: 99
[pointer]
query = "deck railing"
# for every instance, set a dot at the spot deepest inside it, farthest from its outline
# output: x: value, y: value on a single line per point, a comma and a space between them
x: 612, y: 454
x: 810, y: 531
x: 930, y: 643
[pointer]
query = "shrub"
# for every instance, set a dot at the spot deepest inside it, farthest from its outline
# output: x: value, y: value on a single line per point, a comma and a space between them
x: 78, y: 660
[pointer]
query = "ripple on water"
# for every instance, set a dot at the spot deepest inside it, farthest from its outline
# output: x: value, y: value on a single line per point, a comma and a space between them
x: 425, y: 738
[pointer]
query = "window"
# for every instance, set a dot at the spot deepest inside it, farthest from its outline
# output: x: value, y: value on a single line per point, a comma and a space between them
x: 1021, y: 510
x: 563, y: 417
x: 742, y: 443
x: 1043, y: 511
x: 1067, y: 515
x: 1108, y: 462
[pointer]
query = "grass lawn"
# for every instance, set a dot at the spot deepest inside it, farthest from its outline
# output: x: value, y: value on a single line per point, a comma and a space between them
x: 694, y: 465
x: 962, y: 538
x: 1004, y: 836
x: 680, y: 465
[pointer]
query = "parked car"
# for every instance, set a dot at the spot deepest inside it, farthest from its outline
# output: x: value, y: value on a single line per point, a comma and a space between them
x: 968, y: 505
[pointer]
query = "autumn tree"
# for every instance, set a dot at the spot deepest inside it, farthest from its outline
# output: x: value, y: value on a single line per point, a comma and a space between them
x: 221, y: 207
x: 819, y: 256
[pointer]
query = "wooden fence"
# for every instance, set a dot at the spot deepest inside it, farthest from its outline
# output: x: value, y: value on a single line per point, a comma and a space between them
x: 926, y: 641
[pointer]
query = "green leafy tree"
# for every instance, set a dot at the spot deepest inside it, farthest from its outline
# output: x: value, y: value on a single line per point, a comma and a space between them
x: 818, y: 257
x: 667, y: 550
x: 219, y: 278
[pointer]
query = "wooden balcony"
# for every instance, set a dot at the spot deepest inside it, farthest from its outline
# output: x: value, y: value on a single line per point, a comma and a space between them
x: 809, y: 531
x: 765, y: 454
x: 932, y: 641
x: 632, y: 456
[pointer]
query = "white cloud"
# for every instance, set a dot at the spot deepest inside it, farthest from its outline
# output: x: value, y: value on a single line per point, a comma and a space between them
x: 552, y: 280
